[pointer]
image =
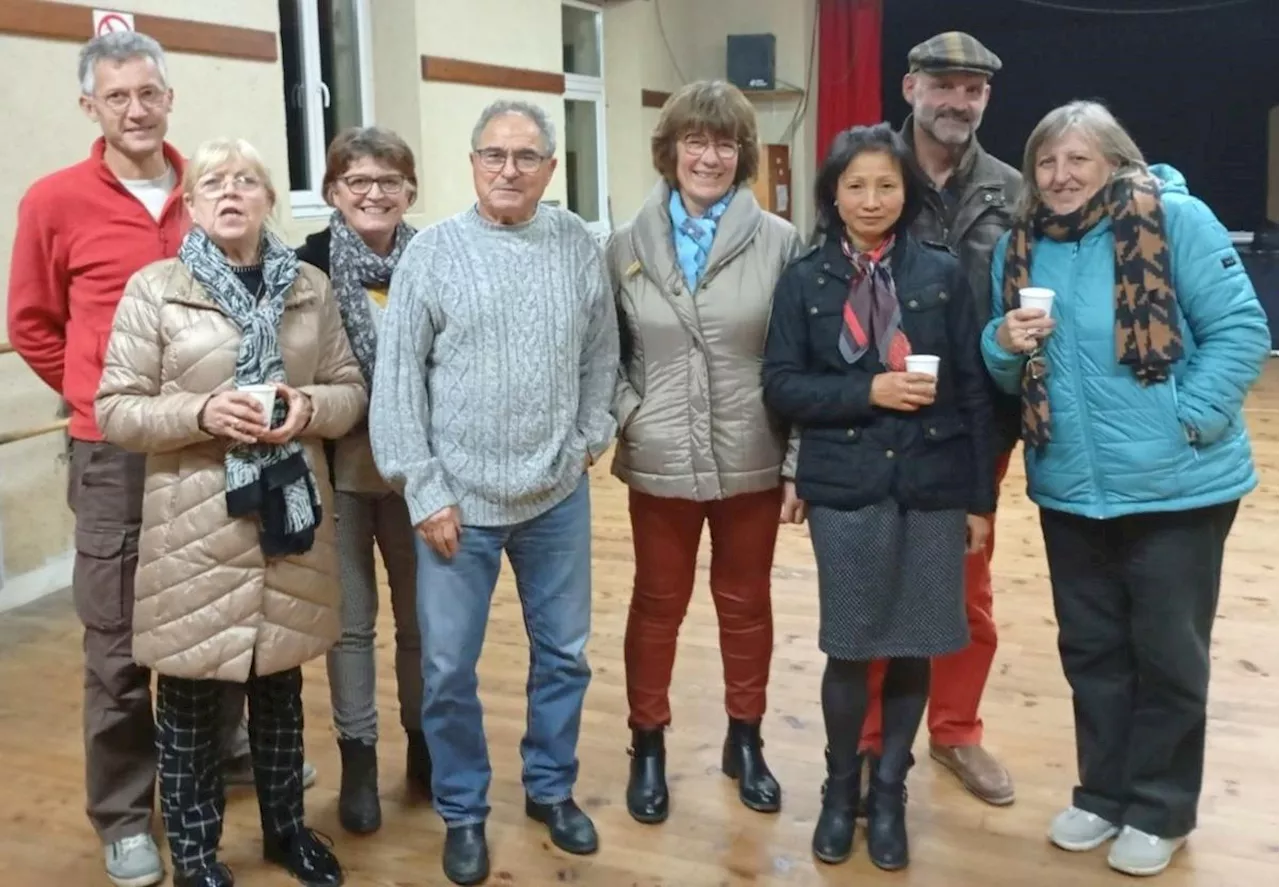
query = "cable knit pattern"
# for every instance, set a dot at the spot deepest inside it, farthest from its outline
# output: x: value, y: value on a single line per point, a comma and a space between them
x: 495, y: 370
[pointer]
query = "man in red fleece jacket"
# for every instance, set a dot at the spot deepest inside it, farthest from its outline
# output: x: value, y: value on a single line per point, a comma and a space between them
x: 82, y: 233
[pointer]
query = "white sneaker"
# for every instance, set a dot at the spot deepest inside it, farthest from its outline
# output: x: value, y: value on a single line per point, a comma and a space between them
x: 1079, y: 830
x: 1138, y: 853
x: 134, y: 862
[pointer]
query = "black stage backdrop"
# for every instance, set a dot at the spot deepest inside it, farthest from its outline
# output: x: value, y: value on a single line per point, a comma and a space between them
x: 1193, y: 85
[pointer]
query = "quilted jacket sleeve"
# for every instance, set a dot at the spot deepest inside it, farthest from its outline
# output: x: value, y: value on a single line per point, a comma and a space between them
x: 1224, y: 315
x: 130, y: 409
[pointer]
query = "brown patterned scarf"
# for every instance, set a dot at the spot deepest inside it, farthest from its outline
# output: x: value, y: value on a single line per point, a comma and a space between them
x: 1148, y: 336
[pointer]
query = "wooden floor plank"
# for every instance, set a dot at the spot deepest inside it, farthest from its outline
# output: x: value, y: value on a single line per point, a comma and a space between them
x: 711, y: 840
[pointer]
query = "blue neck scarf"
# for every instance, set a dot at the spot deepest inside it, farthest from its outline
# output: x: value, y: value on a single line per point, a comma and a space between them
x: 693, y: 237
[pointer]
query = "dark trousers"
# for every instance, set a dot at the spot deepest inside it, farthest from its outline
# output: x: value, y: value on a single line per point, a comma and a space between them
x: 1135, y: 599
x: 104, y: 491
x: 189, y: 716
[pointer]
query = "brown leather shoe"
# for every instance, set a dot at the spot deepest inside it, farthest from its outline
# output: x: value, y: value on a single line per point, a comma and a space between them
x: 979, y: 772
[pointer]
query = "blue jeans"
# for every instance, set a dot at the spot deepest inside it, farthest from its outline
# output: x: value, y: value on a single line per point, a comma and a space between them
x: 551, y: 558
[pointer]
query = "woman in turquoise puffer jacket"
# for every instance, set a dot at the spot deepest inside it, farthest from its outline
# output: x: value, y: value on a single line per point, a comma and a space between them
x: 1137, y: 454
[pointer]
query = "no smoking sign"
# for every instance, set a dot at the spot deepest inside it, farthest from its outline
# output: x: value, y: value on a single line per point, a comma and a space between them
x: 106, y: 21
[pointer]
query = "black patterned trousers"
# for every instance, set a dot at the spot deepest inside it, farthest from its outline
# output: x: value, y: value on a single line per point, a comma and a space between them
x: 192, y: 800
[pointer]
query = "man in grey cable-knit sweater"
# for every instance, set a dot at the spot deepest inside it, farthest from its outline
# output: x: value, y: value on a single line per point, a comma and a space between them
x: 495, y: 369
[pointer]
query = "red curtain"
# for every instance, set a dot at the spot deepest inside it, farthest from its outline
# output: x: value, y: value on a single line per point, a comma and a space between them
x: 848, y: 67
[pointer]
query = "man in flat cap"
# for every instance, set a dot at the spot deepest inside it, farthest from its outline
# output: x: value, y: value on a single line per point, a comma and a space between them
x: 968, y: 202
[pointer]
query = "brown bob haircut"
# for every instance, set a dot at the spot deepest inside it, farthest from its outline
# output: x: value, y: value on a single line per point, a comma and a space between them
x: 712, y: 107
x: 358, y: 142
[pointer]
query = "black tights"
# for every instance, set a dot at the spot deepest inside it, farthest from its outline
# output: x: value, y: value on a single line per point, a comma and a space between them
x: 844, y: 706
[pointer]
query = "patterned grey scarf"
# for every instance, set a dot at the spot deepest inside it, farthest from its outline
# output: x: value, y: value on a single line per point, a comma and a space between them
x: 273, y: 482
x: 353, y: 266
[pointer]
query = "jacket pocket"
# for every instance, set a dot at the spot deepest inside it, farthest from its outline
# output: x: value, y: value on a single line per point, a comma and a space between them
x: 941, y: 468
x: 102, y: 579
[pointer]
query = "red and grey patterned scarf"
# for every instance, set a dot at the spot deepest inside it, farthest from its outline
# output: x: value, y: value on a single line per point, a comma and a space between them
x: 872, y: 315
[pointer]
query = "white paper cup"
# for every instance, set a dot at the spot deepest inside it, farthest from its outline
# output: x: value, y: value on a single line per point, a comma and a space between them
x: 923, y: 363
x: 1037, y: 297
x: 265, y: 395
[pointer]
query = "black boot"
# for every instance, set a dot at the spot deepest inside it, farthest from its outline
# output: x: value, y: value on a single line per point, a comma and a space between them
x: 417, y: 765
x: 359, y: 809
x: 743, y: 760
x: 305, y: 856
x: 571, y: 829
x: 647, y: 799
x: 466, y: 854
x: 833, y: 835
x: 887, y: 820
x: 217, y: 875
x: 864, y: 801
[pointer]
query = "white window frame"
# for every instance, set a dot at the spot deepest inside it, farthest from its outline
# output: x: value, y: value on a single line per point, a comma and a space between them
x: 310, y: 203
x: 581, y: 88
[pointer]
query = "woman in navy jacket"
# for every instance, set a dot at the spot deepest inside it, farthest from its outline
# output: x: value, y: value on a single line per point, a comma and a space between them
x: 895, y: 466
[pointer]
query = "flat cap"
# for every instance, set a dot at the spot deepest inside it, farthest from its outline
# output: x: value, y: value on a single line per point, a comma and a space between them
x: 953, y: 51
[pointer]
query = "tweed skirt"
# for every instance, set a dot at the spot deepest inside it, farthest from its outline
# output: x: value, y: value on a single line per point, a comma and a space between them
x: 890, y: 581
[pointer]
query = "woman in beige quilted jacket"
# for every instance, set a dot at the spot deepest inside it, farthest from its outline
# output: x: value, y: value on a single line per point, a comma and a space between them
x: 227, y: 366
x: 693, y: 275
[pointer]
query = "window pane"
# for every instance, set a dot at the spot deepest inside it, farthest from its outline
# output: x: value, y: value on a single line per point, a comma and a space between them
x: 295, y: 94
x: 340, y: 65
x: 581, y: 159
x: 581, y: 44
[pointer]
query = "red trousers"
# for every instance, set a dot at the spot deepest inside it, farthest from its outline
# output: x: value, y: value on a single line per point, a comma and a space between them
x: 958, y: 679
x: 666, y: 534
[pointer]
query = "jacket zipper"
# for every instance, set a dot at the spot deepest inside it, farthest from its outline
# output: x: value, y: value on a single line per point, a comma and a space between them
x: 1080, y: 399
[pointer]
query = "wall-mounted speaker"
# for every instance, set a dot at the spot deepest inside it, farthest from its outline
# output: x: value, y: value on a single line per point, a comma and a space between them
x: 751, y: 59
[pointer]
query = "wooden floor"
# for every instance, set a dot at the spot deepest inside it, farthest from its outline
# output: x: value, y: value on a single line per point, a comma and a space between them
x: 710, y: 840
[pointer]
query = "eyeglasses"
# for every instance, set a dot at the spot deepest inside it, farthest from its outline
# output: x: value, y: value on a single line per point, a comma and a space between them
x: 495, y: 159
x: 215, y: 185
x: 697, y: 146
x: 389, y: 185
x: 119, y: 100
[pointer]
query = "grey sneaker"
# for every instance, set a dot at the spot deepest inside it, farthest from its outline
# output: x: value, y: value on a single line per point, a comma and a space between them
x: 1078, y: 830
x: 134, y: 862
x: 239, y: 771
x: 1138, y: 853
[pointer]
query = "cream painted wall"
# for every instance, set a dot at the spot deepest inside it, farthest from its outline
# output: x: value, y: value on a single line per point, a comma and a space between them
x: 529, y: 37
x: 213, y: 97
x: 637, y: 57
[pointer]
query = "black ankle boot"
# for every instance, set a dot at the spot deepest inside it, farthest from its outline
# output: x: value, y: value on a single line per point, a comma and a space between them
x: 417, y: 765
x: 743, y: 760
x: 833, y: 835
x: 864, y: 801
x: 305, y: 856
x: 359, y: 809
x: 466, y: 854
x: 647, y: 799
x: 217, y: 875
x: 887, y: 820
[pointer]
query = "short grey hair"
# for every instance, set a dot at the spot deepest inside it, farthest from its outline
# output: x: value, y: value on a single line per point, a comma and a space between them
x: 524, y: 109
x: 118, y: 46
x: 1093, y: 121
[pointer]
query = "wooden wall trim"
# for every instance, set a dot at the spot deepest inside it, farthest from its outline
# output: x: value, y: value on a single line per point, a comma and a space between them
x: 67, y: 21
x: 443, y: 70
x: 652, y: 98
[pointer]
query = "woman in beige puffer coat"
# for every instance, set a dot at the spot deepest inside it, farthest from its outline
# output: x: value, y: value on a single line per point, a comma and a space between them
x: 693, y: 276
x: 237, y: 568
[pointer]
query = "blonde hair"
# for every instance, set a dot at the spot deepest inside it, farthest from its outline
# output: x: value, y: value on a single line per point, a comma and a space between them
x: 1091, y: 120
x: 220, y: 152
